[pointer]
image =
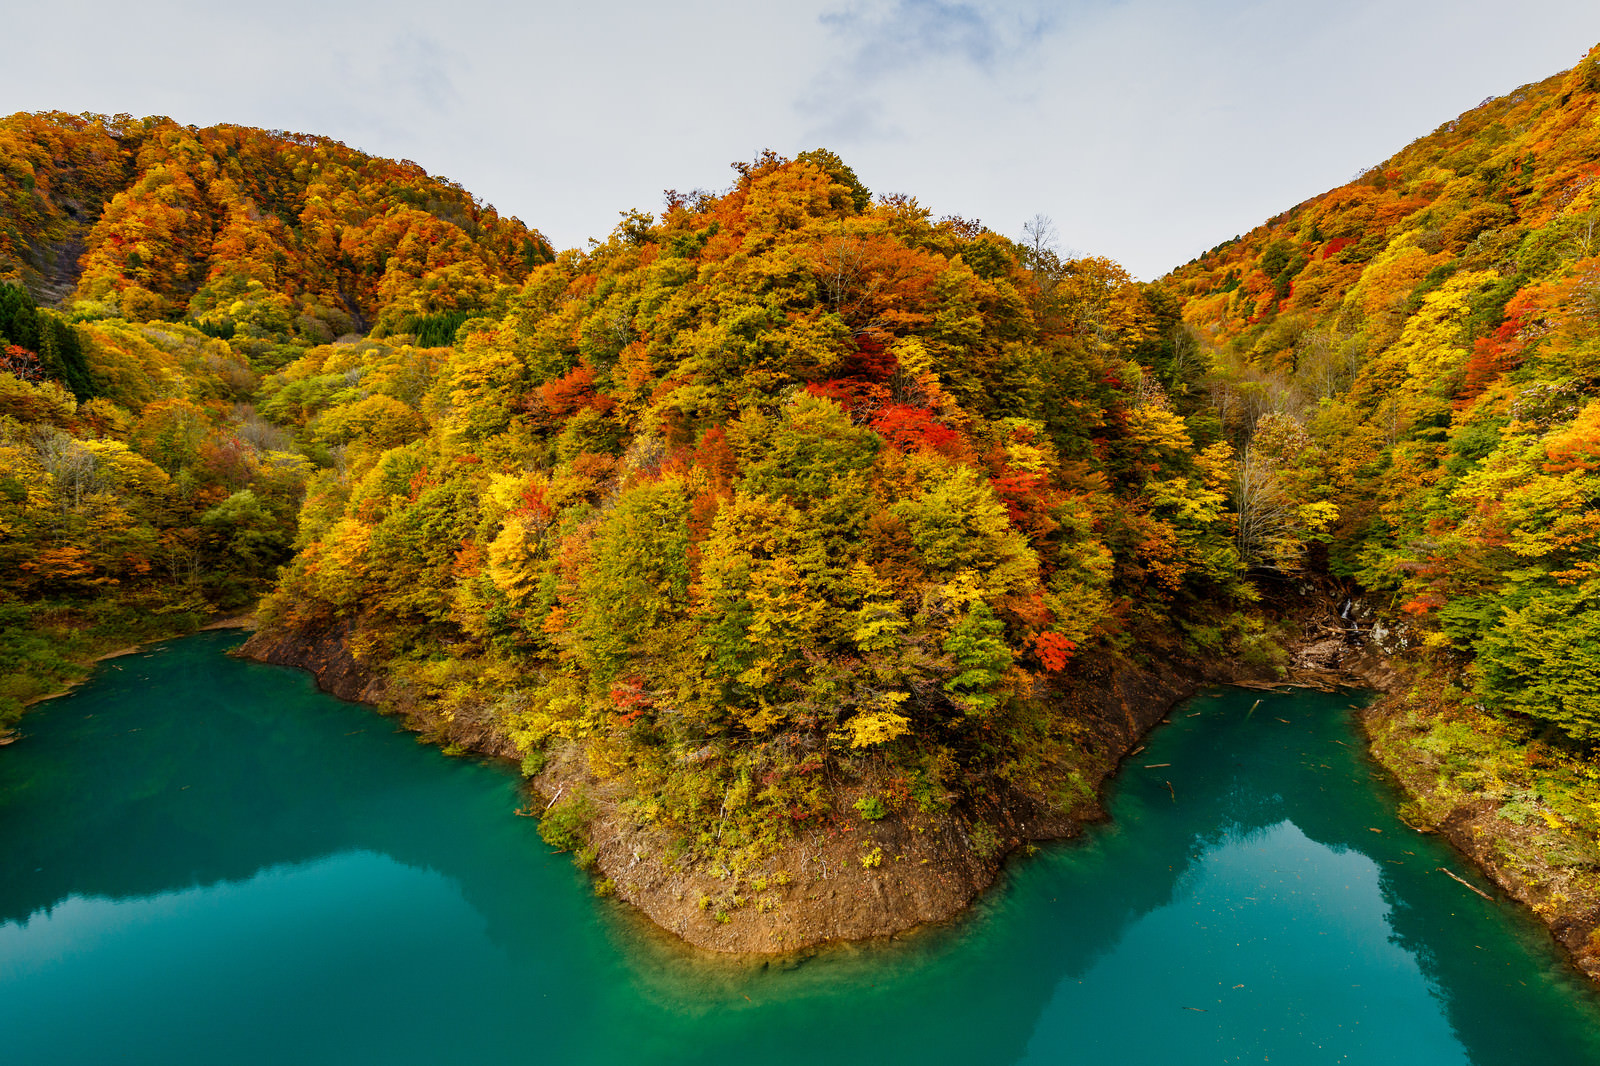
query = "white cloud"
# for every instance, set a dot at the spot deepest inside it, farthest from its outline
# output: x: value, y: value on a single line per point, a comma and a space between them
x: 1149, y: 129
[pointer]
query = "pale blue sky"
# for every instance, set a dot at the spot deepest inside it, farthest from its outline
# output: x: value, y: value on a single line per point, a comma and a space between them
x: 1149, y: 130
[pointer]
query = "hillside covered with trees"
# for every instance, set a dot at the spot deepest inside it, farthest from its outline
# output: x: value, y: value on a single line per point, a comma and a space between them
x: 789, y: 512
x: 277, y: 239
x: 784, y: 489
x: 1420, y: 348
x: 140, y: 491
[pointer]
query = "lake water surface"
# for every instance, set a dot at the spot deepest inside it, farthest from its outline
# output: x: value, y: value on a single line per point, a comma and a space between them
x: 204, y: 860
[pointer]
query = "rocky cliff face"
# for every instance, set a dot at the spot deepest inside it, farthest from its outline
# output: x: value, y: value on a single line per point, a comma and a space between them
x: 326, y: 653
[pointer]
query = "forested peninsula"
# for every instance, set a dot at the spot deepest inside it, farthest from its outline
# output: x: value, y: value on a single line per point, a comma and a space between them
x: 810, y: 553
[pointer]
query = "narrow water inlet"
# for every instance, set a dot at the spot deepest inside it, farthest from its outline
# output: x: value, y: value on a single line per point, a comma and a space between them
x: 206, y: 859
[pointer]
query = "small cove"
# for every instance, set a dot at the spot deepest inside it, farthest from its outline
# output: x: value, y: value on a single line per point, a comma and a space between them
x: 208, y: 860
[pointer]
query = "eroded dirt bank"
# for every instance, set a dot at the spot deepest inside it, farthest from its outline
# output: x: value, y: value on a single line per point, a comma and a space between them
x: 326, y: 653
x: 857, y: 879
x: 1509, y: 855
x: 853, y: 879
x: 1537, y: 863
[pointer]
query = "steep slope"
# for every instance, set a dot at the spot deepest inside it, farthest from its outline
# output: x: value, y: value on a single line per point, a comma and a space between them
x: 57, y: 173
x: 264, y: 234
x: 1420, y: 349
x: 140, y: 492
x: 784, y: 517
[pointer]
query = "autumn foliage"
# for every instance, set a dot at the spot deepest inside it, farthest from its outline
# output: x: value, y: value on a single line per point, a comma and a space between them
x: 267, y: 236
x: 781, y: 478
x: 1428, y: 337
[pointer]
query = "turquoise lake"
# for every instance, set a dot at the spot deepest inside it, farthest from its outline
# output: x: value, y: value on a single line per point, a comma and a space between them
x: 207, y: 861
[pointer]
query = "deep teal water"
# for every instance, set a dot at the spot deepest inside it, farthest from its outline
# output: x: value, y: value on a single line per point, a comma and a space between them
x: 206, y: 861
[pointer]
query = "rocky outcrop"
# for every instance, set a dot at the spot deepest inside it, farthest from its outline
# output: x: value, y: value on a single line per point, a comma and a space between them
x: 324, y: 651
x: 328, y: 652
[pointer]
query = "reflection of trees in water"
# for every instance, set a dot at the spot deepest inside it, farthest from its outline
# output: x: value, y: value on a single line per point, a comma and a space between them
x: 981, y: 986
x: 239, y: 768
x: 1336, y: 798
x: 218, y: 790
x: 1233, y: 781
x: 80, y: 816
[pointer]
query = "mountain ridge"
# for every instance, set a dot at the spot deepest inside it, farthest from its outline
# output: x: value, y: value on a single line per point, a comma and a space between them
x: 790, y: 514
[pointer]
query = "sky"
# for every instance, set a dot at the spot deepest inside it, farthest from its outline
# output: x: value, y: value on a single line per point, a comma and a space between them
x: 1147, y: 130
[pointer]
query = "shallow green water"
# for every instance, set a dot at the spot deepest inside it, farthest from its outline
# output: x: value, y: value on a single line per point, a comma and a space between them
x: 203, y: 860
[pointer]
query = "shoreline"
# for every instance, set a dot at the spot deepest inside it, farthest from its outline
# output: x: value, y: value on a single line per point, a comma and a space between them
x: 822, y: 889
x: 1507, y: 854
x: 1510, y: 855
x: 846, y: 880
x: 239, y: 621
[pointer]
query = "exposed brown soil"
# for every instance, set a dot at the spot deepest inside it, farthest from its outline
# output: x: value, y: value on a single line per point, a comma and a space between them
x: 857, y: 879
x: 325, y: 651
x: 852, y: 880
x: 1570, y: 909
x: 238, y: 621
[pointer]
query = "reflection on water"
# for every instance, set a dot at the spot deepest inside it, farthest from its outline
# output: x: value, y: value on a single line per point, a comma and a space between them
x: 205, y: 860
x: 174, y: 972
x: 1272, y: 941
